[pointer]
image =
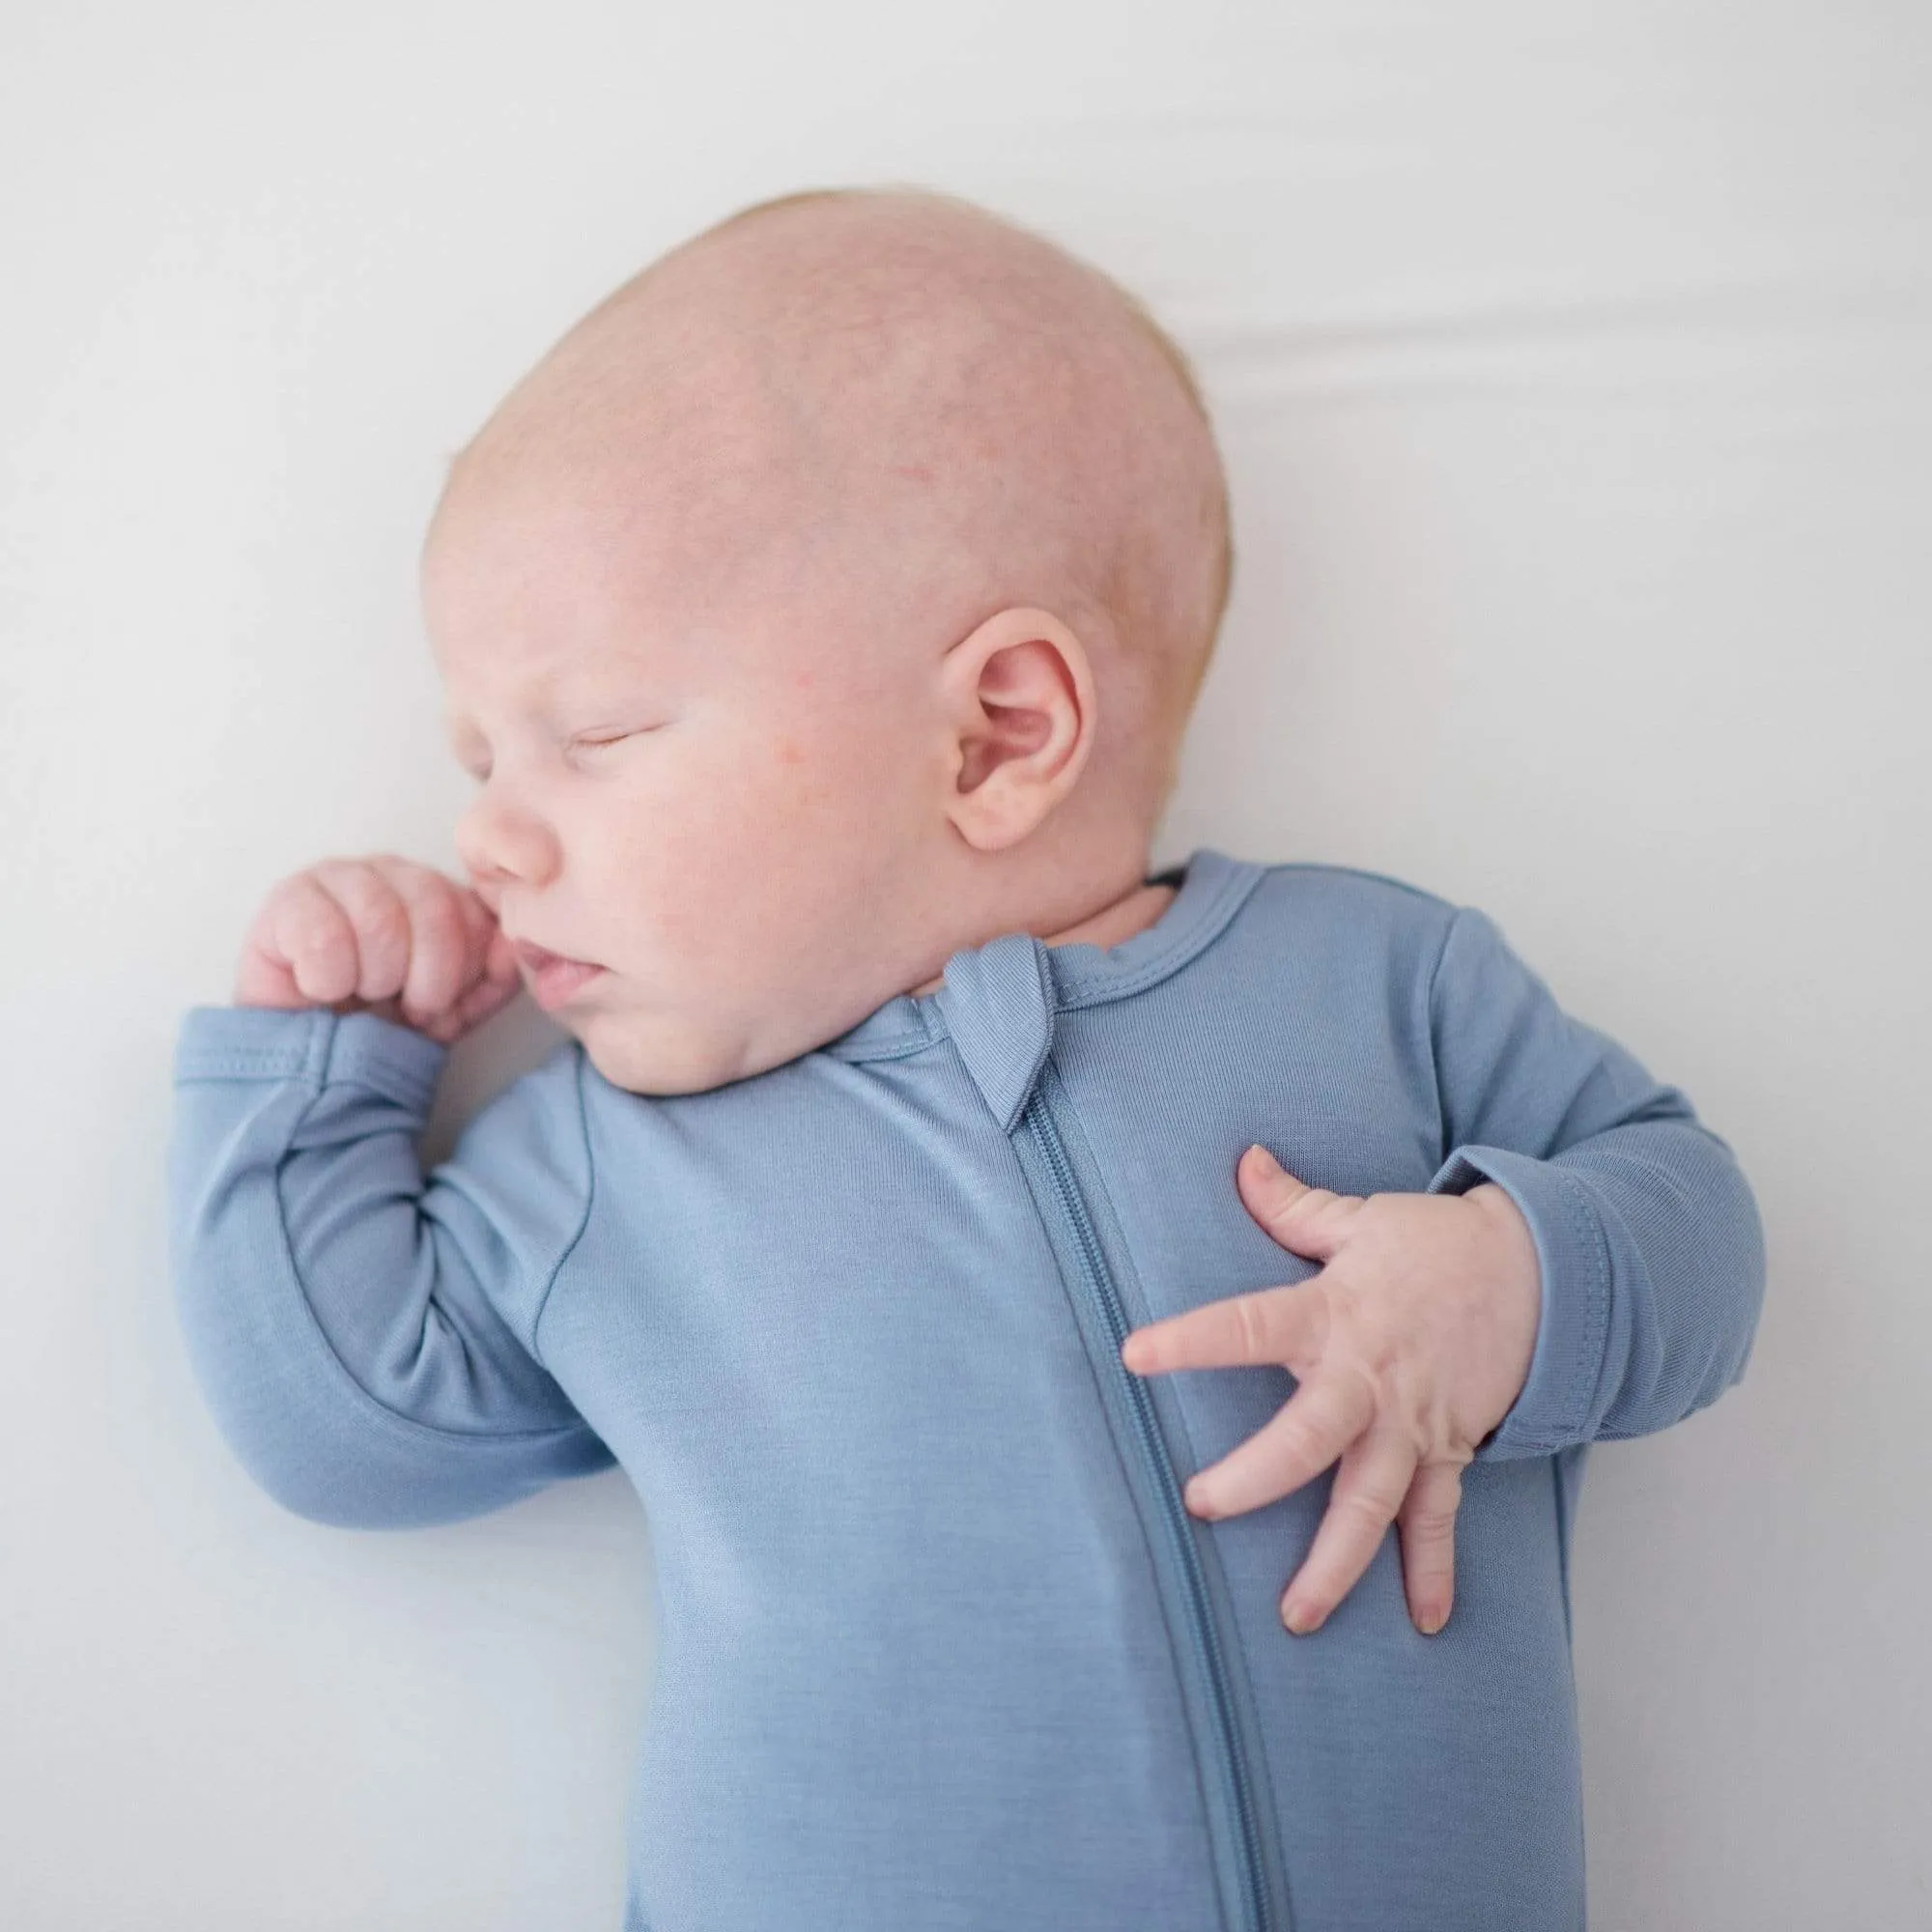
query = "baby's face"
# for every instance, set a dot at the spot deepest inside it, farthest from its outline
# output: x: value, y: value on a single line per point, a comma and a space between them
x: 710, y: 776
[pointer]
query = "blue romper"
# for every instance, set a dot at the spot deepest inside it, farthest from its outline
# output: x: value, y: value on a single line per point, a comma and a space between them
x: 938, y: 1647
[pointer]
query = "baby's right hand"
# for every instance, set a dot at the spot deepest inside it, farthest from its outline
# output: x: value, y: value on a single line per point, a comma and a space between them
x: 379, y: 935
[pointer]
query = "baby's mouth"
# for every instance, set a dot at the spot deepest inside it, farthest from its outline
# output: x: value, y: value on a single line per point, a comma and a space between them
x: 554, y: 977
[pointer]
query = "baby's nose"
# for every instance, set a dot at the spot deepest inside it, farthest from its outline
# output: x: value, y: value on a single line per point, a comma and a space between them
x: 501, y: 846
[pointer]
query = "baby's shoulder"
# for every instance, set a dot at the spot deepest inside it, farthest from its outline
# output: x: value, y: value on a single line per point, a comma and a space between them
x: 1334, y: 937
x: 1347, y: 905
x: 1351, y: 886
x: 541, y: 1108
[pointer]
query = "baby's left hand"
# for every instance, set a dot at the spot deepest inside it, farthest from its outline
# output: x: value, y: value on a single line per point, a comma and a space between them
x: 1410, y: 1347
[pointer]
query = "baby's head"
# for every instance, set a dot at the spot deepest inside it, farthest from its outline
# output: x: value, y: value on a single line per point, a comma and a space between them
x: 830, y: 597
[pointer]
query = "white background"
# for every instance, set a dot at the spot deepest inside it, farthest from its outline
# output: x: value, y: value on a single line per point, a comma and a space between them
x: 1573, y: 373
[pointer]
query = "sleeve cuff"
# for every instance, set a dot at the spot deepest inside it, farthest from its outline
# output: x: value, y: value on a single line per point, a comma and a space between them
x: 309, y: 1043
x: 1553, y: 1410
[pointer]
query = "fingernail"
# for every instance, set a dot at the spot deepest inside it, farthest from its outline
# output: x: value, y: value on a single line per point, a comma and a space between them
x: 1257, y: 1148
x: 1432, y: 1621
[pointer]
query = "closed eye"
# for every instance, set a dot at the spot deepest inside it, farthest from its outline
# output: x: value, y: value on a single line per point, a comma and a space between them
x: 604, y: 741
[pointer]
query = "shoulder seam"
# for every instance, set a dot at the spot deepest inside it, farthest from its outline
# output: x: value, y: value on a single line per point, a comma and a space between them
x: 578, y: 1058
x: 1449, y: 925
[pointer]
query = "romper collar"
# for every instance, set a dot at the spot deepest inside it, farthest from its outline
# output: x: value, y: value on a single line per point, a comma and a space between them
x: 999, y: 999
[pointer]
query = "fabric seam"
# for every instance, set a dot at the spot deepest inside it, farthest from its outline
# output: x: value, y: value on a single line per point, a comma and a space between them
x: 1584, y: 1374
x: 584, y: 1220
x: 1581, y: 1376
x: 1213, y: 920
x: 1442, y: 1148
x: 1176, y: 1638
x: 409, y: 1423
x: 1064, y: 1101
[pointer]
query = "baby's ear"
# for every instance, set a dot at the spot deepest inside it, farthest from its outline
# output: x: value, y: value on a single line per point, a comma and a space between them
x: 1019, y: 699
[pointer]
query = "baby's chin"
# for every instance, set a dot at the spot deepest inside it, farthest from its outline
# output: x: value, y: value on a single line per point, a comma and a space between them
x: 662, y: 1057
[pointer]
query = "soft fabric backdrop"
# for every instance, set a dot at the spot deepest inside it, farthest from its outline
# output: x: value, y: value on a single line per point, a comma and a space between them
x: 1573, y: 367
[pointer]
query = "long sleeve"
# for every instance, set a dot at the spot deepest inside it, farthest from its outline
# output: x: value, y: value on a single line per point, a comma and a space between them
x: 1649, y: 1238
x: 364, y: 1337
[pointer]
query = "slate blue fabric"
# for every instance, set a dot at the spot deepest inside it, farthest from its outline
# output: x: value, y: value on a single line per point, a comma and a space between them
x: 925, y: 1659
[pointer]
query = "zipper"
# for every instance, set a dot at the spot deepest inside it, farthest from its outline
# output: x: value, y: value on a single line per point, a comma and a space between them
x: 1209, y: 1653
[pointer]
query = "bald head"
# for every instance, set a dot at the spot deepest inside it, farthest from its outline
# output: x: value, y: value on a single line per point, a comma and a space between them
x: 896, y: 392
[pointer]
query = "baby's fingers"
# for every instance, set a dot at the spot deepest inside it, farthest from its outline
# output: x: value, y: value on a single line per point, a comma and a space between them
x: 379, y: 921
x: 500, y: 970
x: 1429, y: 1544
x: 1369, y: 1488
x: 445, y: 946
x: 1284, y: 1325
x: 496, y: 988
x: 381, y: 935
x: 1312, y: 1427
x: 301, y: 951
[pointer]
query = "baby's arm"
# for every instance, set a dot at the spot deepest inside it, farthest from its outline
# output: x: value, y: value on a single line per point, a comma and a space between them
x: 1602, y: 1278
x: 1647, y: 1234
x: 365, y: 1337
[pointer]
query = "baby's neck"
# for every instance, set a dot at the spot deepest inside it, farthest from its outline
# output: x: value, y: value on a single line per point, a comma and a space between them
x: 1133, y: 913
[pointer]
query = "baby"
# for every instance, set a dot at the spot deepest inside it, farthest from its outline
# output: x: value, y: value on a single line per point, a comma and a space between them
x: 819, y: 621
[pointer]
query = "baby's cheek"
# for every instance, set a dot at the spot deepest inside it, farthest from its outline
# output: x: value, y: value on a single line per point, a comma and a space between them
x: 689, y: 863
x: 803, y: 785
